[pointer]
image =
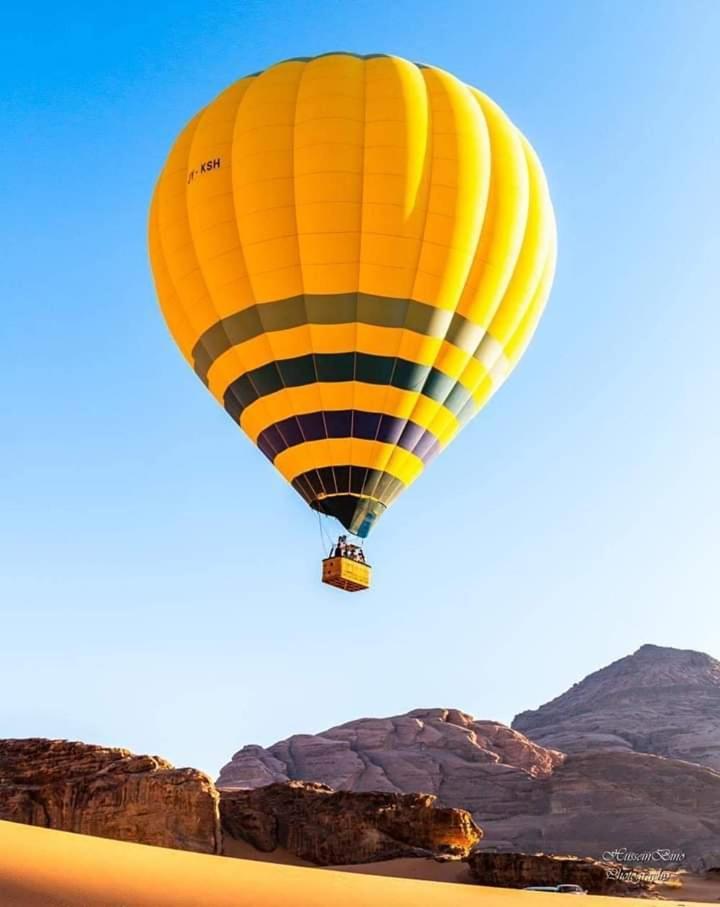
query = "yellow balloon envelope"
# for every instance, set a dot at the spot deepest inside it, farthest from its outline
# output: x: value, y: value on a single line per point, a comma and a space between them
x: 352, y: 253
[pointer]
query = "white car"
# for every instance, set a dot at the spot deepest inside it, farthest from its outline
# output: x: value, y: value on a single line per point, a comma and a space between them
x: 558, y: 889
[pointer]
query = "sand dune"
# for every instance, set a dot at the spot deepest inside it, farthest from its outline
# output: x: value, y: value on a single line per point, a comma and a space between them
x: 42, y: 868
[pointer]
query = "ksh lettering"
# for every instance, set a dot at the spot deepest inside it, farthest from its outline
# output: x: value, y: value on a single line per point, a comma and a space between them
x: 205, y: 167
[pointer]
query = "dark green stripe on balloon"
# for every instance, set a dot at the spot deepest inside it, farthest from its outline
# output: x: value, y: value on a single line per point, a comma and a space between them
x: 335, y: 367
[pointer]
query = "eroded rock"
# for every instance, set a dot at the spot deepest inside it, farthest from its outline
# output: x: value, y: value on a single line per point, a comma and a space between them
x: 108, y: 792
x: 332, y: 828
x: 520, y: 870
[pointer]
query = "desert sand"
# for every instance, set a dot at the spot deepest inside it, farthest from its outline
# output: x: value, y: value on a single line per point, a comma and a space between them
x: 44, y: 868
x: 404, y: 868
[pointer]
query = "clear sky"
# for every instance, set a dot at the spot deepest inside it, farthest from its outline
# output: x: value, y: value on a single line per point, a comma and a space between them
x: 158, y: 580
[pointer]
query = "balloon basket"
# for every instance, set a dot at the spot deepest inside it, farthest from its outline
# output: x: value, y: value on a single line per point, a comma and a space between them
x: 346, y: 574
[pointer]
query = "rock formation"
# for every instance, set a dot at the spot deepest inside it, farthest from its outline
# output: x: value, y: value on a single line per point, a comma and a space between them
x: 518, y: 870
x: 329, y: 828
x: 481, y: 766
x: 112, y: 793
x: 524, y: 795
x: 108, y: 792
x: 658, y: 700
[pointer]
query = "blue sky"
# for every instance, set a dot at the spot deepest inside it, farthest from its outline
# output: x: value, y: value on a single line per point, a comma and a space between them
x: 143, y: 601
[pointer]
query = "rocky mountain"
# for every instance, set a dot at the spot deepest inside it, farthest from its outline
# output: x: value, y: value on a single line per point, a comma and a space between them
x: 477, y: 765
x: 111, y: 793
x: 625, y: 759
x: 331, y: 828
x: 658, y: 700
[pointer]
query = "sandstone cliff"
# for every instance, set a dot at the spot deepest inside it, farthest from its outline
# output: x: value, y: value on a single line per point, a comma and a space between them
x: 658, y: 700
x: 329, y: 828
x: 108, y: 792
x: 113, y: 793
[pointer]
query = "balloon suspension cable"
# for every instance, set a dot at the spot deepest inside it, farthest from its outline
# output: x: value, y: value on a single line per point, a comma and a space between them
x: 326, y: 542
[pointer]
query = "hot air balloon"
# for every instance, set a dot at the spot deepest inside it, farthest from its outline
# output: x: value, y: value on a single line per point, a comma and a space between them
x: 352, y: 252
